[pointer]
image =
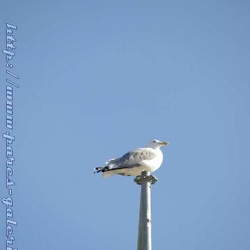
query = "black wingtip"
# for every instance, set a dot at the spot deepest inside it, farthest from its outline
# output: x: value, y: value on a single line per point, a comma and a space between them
x: 101, y: 169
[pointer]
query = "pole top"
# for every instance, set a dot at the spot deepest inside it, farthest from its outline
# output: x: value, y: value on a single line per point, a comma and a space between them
x: 145, y: 177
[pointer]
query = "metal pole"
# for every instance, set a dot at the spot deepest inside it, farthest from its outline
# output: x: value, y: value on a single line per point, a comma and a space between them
x: 144, y: 228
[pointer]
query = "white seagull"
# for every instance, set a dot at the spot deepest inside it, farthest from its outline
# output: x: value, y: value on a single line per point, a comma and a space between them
x: 135, y: 161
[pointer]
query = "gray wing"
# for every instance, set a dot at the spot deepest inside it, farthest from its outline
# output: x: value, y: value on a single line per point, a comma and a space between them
x: 131, y: 159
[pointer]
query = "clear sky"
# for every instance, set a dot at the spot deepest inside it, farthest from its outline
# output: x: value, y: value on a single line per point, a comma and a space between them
x: 98, y: 78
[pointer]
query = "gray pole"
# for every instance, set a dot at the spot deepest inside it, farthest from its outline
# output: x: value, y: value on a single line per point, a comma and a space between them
x: 144, y: 228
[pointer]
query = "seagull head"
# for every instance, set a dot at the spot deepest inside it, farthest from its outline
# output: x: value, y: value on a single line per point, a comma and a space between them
x: 157, y: 144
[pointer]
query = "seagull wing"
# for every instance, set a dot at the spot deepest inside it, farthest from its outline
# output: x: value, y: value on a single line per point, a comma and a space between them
x: 131, y: 159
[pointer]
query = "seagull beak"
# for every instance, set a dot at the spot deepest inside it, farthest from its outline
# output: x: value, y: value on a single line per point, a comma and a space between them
x: 164, y: 143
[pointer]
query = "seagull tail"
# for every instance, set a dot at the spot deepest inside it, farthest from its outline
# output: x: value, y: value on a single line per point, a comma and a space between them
x: 105, y: 170
x: 108, y: 174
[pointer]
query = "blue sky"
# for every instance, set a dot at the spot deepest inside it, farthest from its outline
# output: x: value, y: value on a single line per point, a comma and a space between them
x: 98, y: 78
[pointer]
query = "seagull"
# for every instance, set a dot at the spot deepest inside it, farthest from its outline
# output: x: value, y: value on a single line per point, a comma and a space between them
x: 135, y: 161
